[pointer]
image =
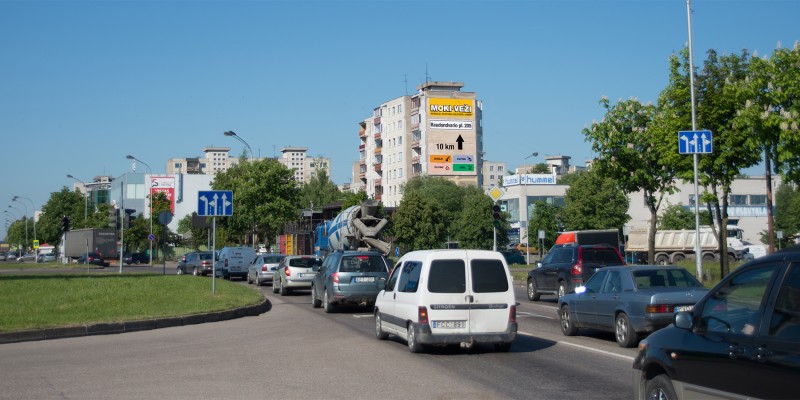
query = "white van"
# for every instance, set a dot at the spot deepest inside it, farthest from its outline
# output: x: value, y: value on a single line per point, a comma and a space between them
x: 234, y: 261
x: 440, y: 297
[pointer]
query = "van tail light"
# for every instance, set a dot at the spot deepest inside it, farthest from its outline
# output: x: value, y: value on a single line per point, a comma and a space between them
x: 335, y: 277
x: 422, y: 315
x: 287, y: 271
x: 512, y: 313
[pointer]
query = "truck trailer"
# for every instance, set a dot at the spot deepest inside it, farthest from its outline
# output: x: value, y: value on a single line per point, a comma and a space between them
x: 673, y: 246
x: 94, y: 240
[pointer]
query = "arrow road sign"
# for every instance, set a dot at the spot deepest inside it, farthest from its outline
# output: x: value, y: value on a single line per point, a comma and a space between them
x: 695, y: 142
x: 215, y: 203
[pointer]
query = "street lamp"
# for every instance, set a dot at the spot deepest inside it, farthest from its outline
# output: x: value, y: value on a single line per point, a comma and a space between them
x: 25, y: 216
x: 239, y: 138
x: 525, y: 200
x: 150, y: 196
x: 85, y: 195
x: 33, y: 212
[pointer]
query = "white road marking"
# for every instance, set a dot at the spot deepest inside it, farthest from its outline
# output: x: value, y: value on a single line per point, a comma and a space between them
x: 530, y: 314
x: 608, y: 353
x: 362, y: 315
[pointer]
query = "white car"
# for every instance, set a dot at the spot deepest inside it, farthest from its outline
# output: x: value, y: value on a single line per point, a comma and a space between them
x: 263, y: 268
x: 440, y: 297
x: 295, y: 272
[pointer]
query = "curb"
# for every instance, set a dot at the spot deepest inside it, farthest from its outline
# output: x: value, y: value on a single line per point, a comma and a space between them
x: 133, y: 326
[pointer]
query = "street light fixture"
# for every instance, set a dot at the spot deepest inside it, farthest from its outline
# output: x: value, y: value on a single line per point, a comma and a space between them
x: 85, y: 195
x: 525, y: 200
x: 33, y: 212
x: 239, y: 138
x: 150, y: 196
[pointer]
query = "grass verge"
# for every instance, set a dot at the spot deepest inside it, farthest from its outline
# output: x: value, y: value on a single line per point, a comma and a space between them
x: 47, y: 265
x: 46, y: 301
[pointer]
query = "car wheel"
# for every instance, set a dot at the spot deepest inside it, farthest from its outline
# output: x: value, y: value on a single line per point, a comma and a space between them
x: 659, y: 388
x: 413, y: 345
x: 623, y: 331
x: 276, y: 286
x: 533, y: 291
x: 249, y: 281
x: 329, y: 307
x: 284, y: 289
x: 194, y: 271
x: 568, y: 327
x: 315, y: 302
x: 379, y: 333
x: 502, y: 347
x: 256, y: 281
x: 562, y: 289
x: 180, y: 271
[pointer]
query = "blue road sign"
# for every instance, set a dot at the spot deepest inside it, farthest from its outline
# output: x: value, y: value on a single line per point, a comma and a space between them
x: 695, y: 142
x: 217, y: 203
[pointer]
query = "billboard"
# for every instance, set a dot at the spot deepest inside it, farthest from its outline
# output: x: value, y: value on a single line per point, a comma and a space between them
x: 166, y: 185
x: 451, y: 108
x: 451, y: 137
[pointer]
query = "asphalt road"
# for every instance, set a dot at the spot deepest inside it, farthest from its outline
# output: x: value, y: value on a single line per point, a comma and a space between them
x: 296, y: 351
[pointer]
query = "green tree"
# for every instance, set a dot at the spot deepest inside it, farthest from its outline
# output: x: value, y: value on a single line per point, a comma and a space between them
x: 195, y: 237
x: 540, y: 168
x: 594, y: 202
x: 61, y: 203
x: 265, y: 197
x: 678, y: 217
x: 445, y: 192
x: 473, y: 228
x: 787, y: 215
x: 319, y: 191
x: 353, y: 199
x: 545, y: 217
x: 419, y: 222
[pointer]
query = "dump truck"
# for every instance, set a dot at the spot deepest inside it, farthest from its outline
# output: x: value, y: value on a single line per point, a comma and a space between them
x: 672, y: 246
x: 97, y: 240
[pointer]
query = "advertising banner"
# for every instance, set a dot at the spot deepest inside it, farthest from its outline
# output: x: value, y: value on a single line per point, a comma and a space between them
x: 166, y: 185
x: 451, y: 108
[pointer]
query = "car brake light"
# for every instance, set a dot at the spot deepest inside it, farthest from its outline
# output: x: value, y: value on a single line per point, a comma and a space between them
x: 512, y: 314
x: 422, y: 315
x: 335, y: 277
x: 264, y: 268
x: 287, y: 271
x: 577, y: 269
x: 659, y: 308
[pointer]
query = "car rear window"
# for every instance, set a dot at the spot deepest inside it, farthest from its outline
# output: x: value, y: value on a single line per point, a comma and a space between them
x: 601, y: 256
x: 273, y: 259
x: 363, y: 263
x: 447, y: 276
x: 205, y: 256
x: 305, y: 262
x: 665, y: 278
x: 488, y: 276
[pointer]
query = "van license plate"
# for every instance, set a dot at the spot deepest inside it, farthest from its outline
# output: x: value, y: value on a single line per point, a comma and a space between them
x: 361, y: 279
x: 449, y: 324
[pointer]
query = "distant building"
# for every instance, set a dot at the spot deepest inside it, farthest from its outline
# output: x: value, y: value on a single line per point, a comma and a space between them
x: 493, y: 172
x: 305, y: 168
x: 436, y: 132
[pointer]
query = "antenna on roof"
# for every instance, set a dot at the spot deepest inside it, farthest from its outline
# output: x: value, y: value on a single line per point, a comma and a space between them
x: 405, y: 82
x: 427, y: 78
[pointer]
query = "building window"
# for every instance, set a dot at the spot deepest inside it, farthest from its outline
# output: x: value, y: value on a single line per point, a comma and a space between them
x: 758, y: 199
x: 738, y: 200
x: 499, y: 168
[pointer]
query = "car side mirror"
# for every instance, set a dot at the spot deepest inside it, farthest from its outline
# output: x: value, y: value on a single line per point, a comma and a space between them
x: 684, y: 320
x: 580, y: 289
x: 538, y: 264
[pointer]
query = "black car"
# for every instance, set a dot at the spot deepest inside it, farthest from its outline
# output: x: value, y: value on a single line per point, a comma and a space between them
x: 741, y: 340
x: 136, y: 258
x: 566, y: 267
x: 513, y: 257
x: 92, y: 258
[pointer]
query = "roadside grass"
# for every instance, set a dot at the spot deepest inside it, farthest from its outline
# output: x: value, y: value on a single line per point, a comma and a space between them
x: 36, y: 301
x: 45, y: 265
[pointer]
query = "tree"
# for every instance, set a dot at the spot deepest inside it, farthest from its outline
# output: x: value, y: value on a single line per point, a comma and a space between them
x: 319, y: 191
x: 419, y: 222
x: 61, y: 203
x: 594, y: 202
x: 545, y: 217
x: 787, y: 215
x: 353, y: 199
x: 678, y: 217
x: 473, y: 228
x: 540, y: 168
x: 265, y: 197
x: 195, y: 237
x: 445, y: 192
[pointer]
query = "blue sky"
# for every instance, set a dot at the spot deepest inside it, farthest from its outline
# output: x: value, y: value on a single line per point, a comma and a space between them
x: 84, y: 83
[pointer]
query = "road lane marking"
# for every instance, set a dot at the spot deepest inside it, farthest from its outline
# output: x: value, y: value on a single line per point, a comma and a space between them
x: 362, y: 315
x: 530, y: 314
x: 608, y: 353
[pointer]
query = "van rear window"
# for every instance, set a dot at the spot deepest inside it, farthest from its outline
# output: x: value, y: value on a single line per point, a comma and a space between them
x: 447, y: 276
x: 488, y: 276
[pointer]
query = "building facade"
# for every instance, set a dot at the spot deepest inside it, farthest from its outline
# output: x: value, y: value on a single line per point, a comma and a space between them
x: 492, y: 172
x: 436, y: 132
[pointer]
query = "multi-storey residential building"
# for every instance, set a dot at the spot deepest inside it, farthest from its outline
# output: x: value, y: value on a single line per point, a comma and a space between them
x: 436, y: 132
x: 218, y: 159
x: 493, y: 172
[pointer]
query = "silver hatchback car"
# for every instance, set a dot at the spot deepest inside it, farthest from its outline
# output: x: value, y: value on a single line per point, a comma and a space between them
x: 263, y: 268
x: 295, y: 272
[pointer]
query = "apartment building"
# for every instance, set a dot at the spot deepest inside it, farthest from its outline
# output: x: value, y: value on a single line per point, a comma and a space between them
x: 493, y: 172
x: 435, y: 132
x: 305, y: 167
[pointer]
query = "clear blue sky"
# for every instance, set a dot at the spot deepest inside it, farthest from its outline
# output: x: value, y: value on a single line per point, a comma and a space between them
x: 84, y: 83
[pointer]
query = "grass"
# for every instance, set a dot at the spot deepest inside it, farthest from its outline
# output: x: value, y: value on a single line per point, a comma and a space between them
x: 47, y: 265
x: 44, y: 301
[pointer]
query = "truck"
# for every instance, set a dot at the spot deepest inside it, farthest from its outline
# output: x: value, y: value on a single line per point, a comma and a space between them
x: 600, y: 236
x: 355, y: 228
x: 97, y: 240
x: 673, y: 246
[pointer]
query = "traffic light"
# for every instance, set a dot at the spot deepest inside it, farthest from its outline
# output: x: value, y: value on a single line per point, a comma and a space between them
x: 496, y: 216
x: 126, y: 221
x: 113, y: 217
x: 65, y: 224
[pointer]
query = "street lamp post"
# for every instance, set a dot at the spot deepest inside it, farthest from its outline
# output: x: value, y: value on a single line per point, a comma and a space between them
x: 25, y: 216
x: 150, y: 196
x: 85, y: 196
x: 525, y: 200
x: 33, y: 212
x: 237, y: 137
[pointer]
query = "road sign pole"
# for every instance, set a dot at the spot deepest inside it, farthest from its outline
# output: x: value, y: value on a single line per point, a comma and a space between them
x: 214, y: 256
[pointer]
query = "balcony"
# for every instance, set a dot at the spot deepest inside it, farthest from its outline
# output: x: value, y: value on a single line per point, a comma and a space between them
x: 378, y: 196
x: 378, y: 167
x: 378, y: 182
x: 415, y: 160
x: 362, y: 133
x: 362, y: 146
x: 377, y: 150
x: 376, y: 121
x: 377, y: 136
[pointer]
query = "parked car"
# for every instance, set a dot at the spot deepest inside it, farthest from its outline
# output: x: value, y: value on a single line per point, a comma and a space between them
x: 197, y: 263
x: 566, y: 267
x: 349, y: 277
x: 136, y: 258
x: 233, y: 261
x: 630, y: 301
x: 440, y: 297
x: 295, y: 272
x: 46, y: 257
x: 513, y: 257
x: 92, y: 258
x: 27, y: 257
x: 263, y: 268
x: 739, y: 341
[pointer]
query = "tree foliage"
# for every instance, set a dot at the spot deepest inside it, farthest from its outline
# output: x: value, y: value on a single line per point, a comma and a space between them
x: 419, y: 222
x: 594, y: 202
x: 319, y: 191
x: 545, y: 217
x: 473, y: 227
x: 678, y: 217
